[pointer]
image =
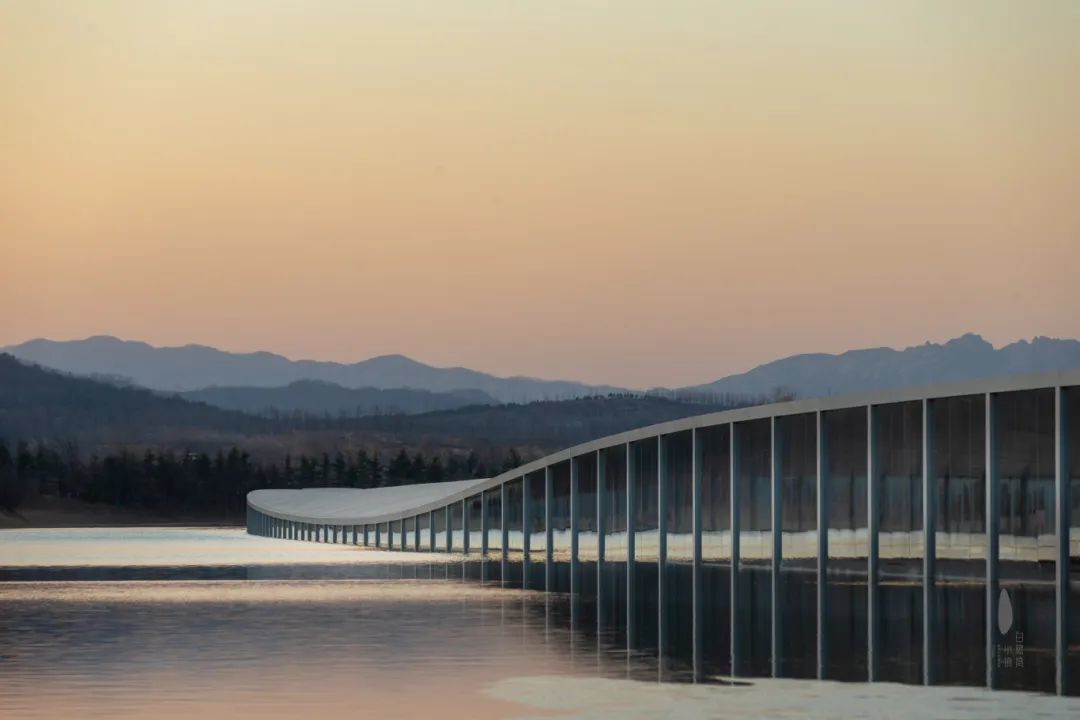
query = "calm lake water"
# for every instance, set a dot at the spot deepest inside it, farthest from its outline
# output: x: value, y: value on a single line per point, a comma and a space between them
x: 209, y: 623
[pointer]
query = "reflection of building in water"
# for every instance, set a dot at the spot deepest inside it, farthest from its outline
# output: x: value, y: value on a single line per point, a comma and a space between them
x: 854, y: 538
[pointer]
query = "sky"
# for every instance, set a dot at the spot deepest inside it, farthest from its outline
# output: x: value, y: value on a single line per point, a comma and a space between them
x: 625, y: 192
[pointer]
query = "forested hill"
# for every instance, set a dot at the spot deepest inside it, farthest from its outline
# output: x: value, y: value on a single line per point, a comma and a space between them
x: 315, y: 397
x: 43, y: 405
x: 548, y: 424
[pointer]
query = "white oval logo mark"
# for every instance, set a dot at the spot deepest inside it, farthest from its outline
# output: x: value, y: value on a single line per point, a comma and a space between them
x: 1005, y: 612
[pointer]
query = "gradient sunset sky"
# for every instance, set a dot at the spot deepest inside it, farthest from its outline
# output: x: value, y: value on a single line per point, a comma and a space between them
x: 638, y: 193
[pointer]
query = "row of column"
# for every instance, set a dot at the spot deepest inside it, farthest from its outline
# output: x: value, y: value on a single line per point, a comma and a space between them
x: 366, y: 535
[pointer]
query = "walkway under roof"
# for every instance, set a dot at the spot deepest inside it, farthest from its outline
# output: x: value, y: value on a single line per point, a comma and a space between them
x: 353, y: 506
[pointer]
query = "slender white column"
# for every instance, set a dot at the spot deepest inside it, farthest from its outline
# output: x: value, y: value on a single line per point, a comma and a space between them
x: 450, y: 528
x: 991, y: 541
x: 1063, y: 523
x: 526, y: 526
x: 601, y: 530
x: 504, y: 531
x: 873, y: 620
x: 631, y: 506
x: 736, y: 624
x: 575, y: 527
x: 465, y: 526
x: 822, y: 544
x: 431, y: 531
x: 601, y: 507
x: 696, y: 456
x: 484, y: 523
x: 661, y: 528
x: 929, y: 522
x: 547, y: 527
x: 776, y: 502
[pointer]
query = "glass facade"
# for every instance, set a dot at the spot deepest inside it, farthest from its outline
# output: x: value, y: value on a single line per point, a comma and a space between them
x: 493, y: 513
x: 534, y: 520
x: 797, y: 458
x: 586, y: 506
x: 1071, y: 457
x: 514, y: 515
x: 753, y: 441
x: 872, y: 465
x: 439, y: 517
x: 474, y: 506
x: 614, y: 503
x: 898, y: 486
x: 679, y: 500
x: 456, y: 511
x: 560, y: 509
x: 846, y: 636
x: 958, y: 437
x: 715, y: 612
x: 646, y: 517
x: 423, y: 525
x: 1024, y: 433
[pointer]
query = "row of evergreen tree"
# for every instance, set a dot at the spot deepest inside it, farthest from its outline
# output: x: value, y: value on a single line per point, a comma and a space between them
x: 200, y: 484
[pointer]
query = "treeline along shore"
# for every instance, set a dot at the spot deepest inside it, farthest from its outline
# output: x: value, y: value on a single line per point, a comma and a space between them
x: 192, y: 484
x: 83, y: 440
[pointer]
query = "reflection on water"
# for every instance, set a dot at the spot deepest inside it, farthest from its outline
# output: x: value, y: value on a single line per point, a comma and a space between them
x: 403, y: 634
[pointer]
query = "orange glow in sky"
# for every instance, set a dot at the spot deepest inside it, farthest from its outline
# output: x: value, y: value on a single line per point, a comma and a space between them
x: 627, y: 192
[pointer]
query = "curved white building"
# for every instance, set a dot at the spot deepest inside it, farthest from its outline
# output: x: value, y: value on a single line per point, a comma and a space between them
x: 973, y: 485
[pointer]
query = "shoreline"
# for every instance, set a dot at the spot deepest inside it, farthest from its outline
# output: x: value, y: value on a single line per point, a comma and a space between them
x: 55, y: 512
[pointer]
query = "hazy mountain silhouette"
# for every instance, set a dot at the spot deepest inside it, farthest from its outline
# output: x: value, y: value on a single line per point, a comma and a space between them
x: 316, y: 397
x: 964, y: 358
x: 37, y: 404
x: 194, y: 367
x: 231, y: 379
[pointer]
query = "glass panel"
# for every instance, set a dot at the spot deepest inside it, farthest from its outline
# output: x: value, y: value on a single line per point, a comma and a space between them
x: 457, y: 526
x: 797, y: 438
x: 615, y: 503
x: 716, y: 549
x: 493, y: 512
x: 647, y: 500
x: 535, y: 522
x: 848, y: 540
x: 475, y: 507
x: 1026, y: 542
x: 423, y: 524
x: 408, y: 536
x: 679, y: 520
x: 1072, y: 460
x: 754, y: 487
x: 440, y: 529
x: 959, y: 466
x: 560, y: 509
x: 514, y: 510
x: 898, y: 431
x: 586, y: 507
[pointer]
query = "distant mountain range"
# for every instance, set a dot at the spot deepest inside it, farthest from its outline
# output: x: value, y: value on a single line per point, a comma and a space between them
x: 964, y: 358
x: 315, y: 397
x: 258, y: 381
x: 92, y: 417
x: 195, y: 367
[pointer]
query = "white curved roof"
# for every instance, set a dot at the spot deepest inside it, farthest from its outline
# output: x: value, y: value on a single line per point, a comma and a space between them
x: 348, y: 506
x: 353, y: 506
